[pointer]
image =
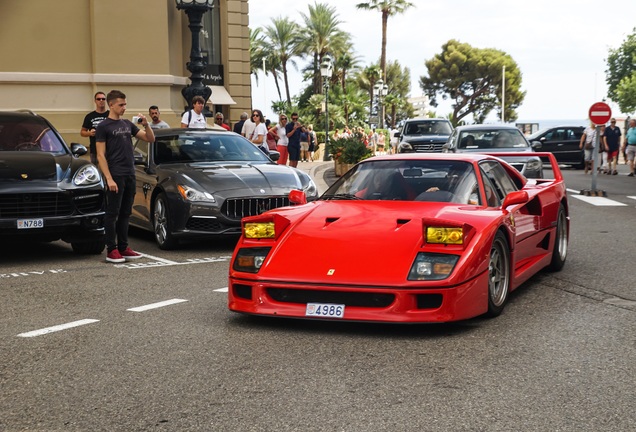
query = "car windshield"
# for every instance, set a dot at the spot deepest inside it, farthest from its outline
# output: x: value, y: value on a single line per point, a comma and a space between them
x: 409, y: 180
x: 491, y: 138
x: 428, y: 127
x: 28, y: 133
x: 206, y: 147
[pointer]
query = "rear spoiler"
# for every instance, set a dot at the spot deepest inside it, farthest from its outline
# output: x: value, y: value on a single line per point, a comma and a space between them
x: 544, y: 156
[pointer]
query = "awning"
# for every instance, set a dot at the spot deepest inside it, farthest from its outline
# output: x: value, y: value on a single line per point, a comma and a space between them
x: 220, y: 96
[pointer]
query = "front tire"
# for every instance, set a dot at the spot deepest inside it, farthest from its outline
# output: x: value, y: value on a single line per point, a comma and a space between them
x: 162, y: 224
x: 560, y: 250
x: 498, y: 275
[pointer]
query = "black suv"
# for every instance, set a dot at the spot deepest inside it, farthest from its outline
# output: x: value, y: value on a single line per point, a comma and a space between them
x: 563, y: 142
x: 424, y: 135
x: 47, y: 192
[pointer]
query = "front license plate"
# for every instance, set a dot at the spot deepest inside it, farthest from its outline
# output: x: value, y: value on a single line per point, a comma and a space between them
x: 325, y: 310
x: 30, y: 223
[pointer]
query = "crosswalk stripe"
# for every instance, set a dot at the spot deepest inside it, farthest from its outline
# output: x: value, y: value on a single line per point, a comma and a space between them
x: 599, y: 201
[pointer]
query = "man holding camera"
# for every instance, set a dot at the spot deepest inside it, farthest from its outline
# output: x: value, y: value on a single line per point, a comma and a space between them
x: 116, y: 160
x: 293, y: 129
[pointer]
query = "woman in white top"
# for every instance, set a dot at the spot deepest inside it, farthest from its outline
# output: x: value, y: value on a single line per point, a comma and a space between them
x: 258, y: 135
x: 281, y: 144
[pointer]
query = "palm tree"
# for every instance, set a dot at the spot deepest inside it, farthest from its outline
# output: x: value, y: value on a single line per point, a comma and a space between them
x: 257, y: 52
x: 366, y: 80
x: 281, y: 46
x: 321, y: 35
x: 387, y: 8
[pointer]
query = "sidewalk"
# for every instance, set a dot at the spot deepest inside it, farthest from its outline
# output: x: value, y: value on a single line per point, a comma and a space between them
x: 323, y: 173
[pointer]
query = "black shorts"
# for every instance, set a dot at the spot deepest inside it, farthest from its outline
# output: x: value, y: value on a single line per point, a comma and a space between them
x: 294, y: 153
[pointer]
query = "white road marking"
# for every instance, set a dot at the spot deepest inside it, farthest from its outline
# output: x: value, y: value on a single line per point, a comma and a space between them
x: 161, y: 262
x: 632, y: 197
x: 156, y: 305
x: 57, y: 328
x: 599, y: 201
x: 226, y: 289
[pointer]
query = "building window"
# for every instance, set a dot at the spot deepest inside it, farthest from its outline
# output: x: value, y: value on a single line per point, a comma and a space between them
x: 211, y: 35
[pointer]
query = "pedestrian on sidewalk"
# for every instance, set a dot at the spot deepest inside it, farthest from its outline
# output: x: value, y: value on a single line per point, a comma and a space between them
x: 293, y: 130
x: 587, y: 144
x: 194, y: 118
x: 630, y: 145
x: 157, y: 123
x: 613, y: 142
x: 281, y: 144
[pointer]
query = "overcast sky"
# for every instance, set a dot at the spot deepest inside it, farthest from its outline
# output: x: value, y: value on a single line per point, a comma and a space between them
x: 560, y: 46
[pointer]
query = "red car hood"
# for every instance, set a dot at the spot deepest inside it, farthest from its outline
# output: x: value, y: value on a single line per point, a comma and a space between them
x: 345, y: 242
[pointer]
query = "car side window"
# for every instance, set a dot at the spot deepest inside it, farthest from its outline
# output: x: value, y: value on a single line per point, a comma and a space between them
x: 141, y: 148
x: 498, y: 179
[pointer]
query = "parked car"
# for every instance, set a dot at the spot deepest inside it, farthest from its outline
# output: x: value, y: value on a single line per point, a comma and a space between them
x: 563, y: 142
x: 194, y: 183
x: 424, y: 135
x: 455, y: 233
x: 47, y: 192
x: 492, y: 139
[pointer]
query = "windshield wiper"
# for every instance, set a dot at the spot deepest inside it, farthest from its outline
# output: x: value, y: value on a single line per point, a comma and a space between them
x: 341, y: 196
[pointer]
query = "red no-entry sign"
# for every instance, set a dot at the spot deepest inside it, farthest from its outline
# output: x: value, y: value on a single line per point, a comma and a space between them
x: 600, y: 113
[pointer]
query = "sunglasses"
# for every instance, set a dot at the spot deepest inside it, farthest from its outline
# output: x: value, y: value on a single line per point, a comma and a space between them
x: 219, y: 118
x: 100, y: 98
x: 283, y: 118
x: 255, y: 115
x: 294, y: 118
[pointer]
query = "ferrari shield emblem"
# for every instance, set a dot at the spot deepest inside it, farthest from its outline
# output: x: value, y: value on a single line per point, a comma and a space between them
x: 24, y: 176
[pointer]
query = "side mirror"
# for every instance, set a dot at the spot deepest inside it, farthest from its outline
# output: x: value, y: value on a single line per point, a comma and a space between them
x: 274, y: 155
x: 139, y: 159
x: 297, y: 197
x: 78, y: 149
x: 513, y: 198
x: 536, y: 145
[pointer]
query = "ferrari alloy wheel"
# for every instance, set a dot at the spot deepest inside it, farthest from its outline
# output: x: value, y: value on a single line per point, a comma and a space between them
x: 161, y: 220
x: 498, y: 275
x: 560, y: 251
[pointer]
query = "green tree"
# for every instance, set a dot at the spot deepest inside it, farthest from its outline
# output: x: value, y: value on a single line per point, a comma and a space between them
x: 281, y: 46
x: 472, y: 79
x: 396, y: 104
x: 621, y: 74
x: 387, y: 8
x: 257, y: 52
x: 321, y: 35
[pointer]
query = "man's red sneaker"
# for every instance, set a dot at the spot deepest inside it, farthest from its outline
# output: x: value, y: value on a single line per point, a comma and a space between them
x: 115, y: 257
x: 130, y: 254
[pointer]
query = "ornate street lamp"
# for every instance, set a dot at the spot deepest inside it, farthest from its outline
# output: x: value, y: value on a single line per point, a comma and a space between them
x: 380, y: 90
x: 195, y: 10
x: 326, y: 70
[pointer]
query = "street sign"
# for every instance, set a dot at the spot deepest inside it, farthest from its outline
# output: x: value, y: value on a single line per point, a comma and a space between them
x: 600, y: 113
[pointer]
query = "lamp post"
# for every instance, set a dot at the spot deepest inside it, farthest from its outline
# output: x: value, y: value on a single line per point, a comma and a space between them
x: 380, y: 90
x: 195, y: 10
x: 326, y: 69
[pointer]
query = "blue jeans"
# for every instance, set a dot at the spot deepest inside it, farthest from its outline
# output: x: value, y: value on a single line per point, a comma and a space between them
x: 118, y: 209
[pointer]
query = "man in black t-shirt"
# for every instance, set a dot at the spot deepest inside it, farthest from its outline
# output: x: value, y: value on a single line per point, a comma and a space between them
x: 91, y: 121
x: 115, y: 156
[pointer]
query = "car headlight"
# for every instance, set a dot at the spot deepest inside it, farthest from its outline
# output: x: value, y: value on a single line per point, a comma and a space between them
x: 191, y: 194
x: 310, y: 189
x: 441, y: 235
x: 534, y: 165
x: 428, y: 266
x: 86, y: 176
x: 250, y: 260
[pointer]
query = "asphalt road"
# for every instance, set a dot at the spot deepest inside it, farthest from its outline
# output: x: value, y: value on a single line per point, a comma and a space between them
x: 560, y: 358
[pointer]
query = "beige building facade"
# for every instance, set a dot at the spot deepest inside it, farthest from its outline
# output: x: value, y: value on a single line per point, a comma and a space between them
x: 57, y: 54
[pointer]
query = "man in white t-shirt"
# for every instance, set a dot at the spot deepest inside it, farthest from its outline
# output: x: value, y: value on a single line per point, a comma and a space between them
x: 194, y: 118
x: 248, y: 128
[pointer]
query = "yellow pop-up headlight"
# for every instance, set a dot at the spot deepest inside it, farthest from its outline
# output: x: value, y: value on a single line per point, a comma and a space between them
x: 442, y: 235
x: 258, y: 230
